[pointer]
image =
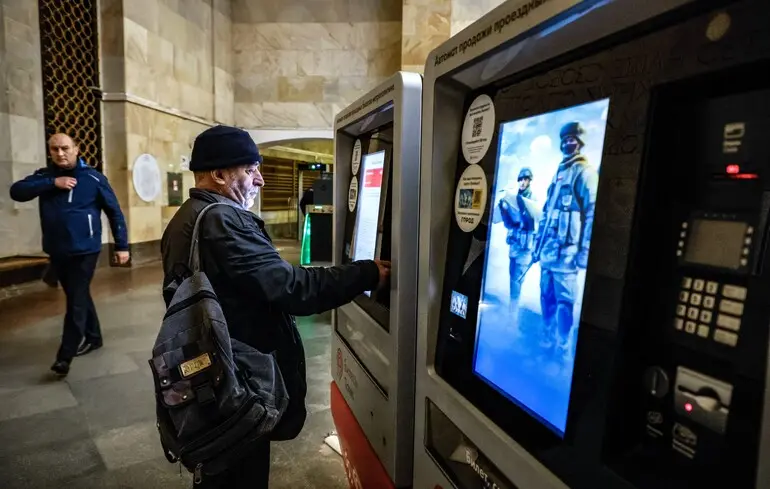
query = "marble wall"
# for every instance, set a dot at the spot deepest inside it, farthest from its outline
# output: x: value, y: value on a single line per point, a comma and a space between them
x: 167, y: 76
x: 428, y: 23
x: 22, y: 139
x: 297, y: 63
x: 177, y: 53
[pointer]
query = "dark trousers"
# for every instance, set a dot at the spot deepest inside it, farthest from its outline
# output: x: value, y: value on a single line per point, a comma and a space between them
x: 253, y: 472
x: 81, y: 322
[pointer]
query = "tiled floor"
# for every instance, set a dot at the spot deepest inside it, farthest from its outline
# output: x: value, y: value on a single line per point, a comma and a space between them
x: 95, y: 429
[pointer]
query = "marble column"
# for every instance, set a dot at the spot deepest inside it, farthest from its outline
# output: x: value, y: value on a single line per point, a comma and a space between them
x: 22, y: 137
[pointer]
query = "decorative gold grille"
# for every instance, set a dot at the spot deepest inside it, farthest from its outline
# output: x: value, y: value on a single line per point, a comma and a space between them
x: 70, y: 54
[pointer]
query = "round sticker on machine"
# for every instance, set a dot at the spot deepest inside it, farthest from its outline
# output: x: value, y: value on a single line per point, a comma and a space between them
x: 471, y: 198
x: 355, y: 162
x: 353, y: 194
x: 478, y: 129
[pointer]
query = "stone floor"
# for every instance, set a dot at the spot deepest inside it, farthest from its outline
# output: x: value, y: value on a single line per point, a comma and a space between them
x: 95, y: 429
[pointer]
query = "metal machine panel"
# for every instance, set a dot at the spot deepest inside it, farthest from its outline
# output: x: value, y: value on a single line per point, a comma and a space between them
x: 510, y: 45
x: 383, y: 357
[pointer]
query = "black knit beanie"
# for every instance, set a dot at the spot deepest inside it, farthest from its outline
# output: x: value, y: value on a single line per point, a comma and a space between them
x: 223, y: 147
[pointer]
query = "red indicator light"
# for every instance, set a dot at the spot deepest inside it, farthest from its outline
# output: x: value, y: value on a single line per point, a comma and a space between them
x: 746, y: 176
x: 688, y: 407
x: 733, y: 169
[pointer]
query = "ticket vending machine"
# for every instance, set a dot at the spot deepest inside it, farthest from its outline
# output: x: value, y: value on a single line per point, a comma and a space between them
x: 377, y: 172
x: 594, y: 260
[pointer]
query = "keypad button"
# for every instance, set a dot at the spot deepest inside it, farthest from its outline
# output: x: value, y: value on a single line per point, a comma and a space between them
x: 734, y: 292
x: 690, y: 327
x: 705, y: 317
x: 703, y: 331
x: 712, y: 288
x: 698, y: 285
x: 708, y: 302
x: 681, y: 310
x: 679, y: 323
x: 696, y: 299
x: 728, y: 322
x: 684, y: 296
x: 686, y: 282
x: 731, y: 307
x: 692, y: 313
x: 750, y: 231
x: 744, y: 262
x: 725, y: 337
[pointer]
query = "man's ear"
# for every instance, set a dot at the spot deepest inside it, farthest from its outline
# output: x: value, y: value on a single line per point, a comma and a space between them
x: 218, y: 176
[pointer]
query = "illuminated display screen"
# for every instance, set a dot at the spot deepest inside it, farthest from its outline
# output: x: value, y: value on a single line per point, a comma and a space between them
x: 367, y: 218
x: 716, y: 243
x: 543, y: 202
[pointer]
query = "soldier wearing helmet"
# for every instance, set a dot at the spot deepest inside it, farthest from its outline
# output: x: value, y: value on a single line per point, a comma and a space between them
x: 517, y: 212
x: 564, y: 237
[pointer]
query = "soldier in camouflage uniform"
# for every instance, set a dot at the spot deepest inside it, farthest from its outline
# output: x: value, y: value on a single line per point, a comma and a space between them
x: 564, y: 237
x: 520, y: 223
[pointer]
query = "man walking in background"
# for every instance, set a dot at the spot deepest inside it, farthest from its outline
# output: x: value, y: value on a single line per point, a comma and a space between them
x: 72, y: 197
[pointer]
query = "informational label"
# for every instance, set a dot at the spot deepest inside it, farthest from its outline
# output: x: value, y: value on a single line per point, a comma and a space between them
x: 471, y: 198
x: 517, y: 19
x: 459, y: 304
x: 353, y: 194
x: 355, y: 162
x: 478, y: 129
x: 175, y: 194
x: 184, y: 163
x: 146, y: 178
x: 365, y: 234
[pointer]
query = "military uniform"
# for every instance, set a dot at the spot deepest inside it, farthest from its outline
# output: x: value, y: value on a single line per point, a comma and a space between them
x: 564, y: 234
x: 521, y: 236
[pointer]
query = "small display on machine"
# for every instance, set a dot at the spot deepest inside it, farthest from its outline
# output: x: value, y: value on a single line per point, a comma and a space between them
x: 717, y: 243
x: 367, y: 218
x: 537, y: 251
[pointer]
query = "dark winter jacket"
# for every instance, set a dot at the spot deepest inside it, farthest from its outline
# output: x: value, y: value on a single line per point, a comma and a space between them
x: 260, y: 293
x: 71, y: 219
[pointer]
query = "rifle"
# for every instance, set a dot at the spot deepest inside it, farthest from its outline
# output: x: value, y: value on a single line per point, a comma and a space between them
x: 540, y: 239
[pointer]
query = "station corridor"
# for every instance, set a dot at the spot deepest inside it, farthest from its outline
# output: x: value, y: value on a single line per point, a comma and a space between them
x: 96, y: 428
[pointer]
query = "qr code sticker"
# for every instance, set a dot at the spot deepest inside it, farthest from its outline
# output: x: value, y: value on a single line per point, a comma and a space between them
x: 477, y: 123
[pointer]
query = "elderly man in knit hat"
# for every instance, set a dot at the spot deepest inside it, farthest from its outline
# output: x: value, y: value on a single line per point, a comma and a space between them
x: 259, y: 292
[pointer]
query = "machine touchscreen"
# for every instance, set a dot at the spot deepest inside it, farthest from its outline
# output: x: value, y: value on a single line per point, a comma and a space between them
x: 365, y: 231
x: 536, y: 254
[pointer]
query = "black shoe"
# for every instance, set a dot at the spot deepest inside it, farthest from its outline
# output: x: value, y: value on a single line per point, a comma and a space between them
x: 50, y: 278
x: 87, y: 348
x: 61, y: 367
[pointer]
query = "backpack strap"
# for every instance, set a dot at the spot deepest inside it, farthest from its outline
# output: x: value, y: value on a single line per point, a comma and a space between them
x: 195, y: 259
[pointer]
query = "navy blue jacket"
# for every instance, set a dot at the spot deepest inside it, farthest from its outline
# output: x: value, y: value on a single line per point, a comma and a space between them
x: 71, y: 219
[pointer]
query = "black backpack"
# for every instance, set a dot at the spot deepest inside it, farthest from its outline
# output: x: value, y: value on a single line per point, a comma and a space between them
x: 215, y: 396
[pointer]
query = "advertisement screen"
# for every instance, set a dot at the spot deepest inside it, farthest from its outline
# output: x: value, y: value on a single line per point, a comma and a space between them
x: 365, y: 230
x: 543, y: 202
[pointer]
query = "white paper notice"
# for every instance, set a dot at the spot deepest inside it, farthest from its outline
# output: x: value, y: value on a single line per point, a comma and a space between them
x: 471, y: 198
x: 365, y: 236
x: 478, y: 129
x: 355, y: 162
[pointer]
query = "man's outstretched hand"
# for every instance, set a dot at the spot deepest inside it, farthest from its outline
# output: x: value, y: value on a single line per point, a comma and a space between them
x: 384, y: 268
